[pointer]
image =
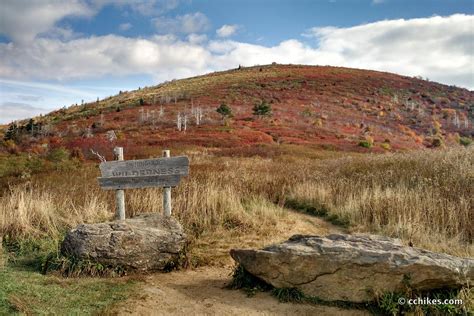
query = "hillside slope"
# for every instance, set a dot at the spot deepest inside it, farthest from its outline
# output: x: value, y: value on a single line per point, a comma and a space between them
x: 330, y: 107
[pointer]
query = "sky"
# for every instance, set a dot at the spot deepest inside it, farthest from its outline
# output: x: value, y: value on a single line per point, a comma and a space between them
x: 55, y: 53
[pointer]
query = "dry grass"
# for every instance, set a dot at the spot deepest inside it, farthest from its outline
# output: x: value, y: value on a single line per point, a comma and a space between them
x: 425, y: 197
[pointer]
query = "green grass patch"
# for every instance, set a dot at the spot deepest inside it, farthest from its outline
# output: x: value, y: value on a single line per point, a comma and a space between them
x: 26, y: 291
x: 73, y: 267
x: 317, y: 209
x: 465, y: 141
x: 43, y: 255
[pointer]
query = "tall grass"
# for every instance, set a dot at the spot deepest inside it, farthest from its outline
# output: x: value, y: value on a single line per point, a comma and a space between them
x: 425, y: 197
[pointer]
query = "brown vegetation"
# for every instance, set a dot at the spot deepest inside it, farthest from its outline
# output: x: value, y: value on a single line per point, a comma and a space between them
x: 425, y: 197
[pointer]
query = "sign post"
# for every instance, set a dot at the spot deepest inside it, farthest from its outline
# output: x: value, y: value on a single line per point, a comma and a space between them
x: 123, y: 174
x: 166, y: 192
x: 119, y: 194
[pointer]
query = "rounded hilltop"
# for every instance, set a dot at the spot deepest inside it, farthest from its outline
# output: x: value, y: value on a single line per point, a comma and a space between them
x: 331, y: 107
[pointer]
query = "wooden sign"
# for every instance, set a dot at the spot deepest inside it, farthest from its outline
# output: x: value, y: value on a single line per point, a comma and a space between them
x: 123, y: 174
x: 133, y: 174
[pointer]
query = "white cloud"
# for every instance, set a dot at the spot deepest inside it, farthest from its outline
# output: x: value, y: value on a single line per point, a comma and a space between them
x: 439, y: 48
x: 39, y: 86
x: 62, y: 33
x: 11, y: 111
x: 95, y: 57
x: 22, y: 20
x: 125, y: 26
x: 197, y: 38
x: 22, y: 99
x: 188, y: 23
x: 144, y: 7
x: 227, y: 30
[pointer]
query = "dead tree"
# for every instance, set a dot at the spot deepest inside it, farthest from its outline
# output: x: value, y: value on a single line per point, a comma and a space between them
x: 198, y: 115
x: 178, y: 121
x: 141, y: 116
x: 456, y: 120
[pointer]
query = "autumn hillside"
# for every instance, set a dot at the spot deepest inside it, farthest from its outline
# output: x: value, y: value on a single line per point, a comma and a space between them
x: 325, y: 107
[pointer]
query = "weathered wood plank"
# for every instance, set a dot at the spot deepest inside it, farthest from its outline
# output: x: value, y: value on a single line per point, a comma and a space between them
x: 146, y: 167
x: 120, y: 183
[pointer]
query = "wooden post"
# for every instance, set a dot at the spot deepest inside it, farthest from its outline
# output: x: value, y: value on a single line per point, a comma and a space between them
x: 166, y: 192
x: 119, y: 194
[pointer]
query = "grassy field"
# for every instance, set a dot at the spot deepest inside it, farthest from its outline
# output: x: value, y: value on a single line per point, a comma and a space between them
x: 25, y: 291
x: 424, y: 197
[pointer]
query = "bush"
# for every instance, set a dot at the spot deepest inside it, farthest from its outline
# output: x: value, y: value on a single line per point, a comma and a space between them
x: 58, y: 155
x: 365, y: 144
x: 465, y: 141
x: 11, y: 147
x: 77, y: 153
x: 436, y: 142
x: 224, y: 110
x: 368, y: 142
x: 262, y: 109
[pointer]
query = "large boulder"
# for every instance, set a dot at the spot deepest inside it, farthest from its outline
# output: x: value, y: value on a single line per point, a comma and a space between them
x: 353, y: 267
x: 144, y: 243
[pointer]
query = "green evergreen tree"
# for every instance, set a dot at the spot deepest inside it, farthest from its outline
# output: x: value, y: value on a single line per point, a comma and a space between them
x: 12, y: 132
x: 224, y: 110
x: 30, y: 126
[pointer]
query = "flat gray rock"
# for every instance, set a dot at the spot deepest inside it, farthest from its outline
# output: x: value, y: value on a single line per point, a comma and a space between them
x: 144, y: 243
x: 353, y: 267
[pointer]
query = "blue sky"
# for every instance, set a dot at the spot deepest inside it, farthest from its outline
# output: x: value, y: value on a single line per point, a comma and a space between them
x: 55, y: 53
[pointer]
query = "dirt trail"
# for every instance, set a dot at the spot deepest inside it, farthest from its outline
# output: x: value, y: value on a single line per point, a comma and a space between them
x: 202, y: 291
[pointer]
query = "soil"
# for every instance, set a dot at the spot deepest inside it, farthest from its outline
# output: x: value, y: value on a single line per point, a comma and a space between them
x: 202, y: 291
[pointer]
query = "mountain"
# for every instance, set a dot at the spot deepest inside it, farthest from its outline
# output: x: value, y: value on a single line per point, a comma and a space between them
x: 328, y: 107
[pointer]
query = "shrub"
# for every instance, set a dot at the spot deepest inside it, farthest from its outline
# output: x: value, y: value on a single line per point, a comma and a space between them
x: 368, y: 142
x: 465, y: 141
x: 365, y: 144
x: 58, y: 155
x: 224, y: 110
x: 11, y: 147
x: 436, y: 142
x: 262, y: 109
x: 77, y: 153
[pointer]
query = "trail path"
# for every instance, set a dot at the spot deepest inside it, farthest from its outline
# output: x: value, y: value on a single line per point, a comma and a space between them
x: 202, y: 291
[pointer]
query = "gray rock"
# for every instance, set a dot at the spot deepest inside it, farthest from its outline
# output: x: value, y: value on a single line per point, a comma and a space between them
x: 146, y: 242
x: 353, y: 267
